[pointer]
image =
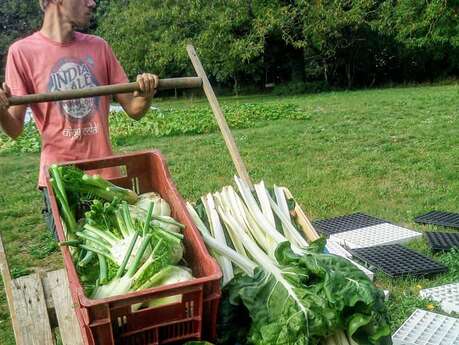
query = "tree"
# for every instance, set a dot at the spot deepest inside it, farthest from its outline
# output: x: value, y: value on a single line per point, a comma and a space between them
x: 17, y: 19
x: 229, y: 35
x: 427, y: 34
x: 338, y: 37
x: 245, y: 42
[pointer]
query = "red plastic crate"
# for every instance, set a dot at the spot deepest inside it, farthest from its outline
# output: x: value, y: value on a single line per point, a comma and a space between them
x: 111, y: 320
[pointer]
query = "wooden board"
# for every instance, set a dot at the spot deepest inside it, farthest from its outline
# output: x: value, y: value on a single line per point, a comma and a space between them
x: 47, y: 287
x: 63, y: 305
x: 7, y: 283
x: 31, y: 311
x: 37, y: 303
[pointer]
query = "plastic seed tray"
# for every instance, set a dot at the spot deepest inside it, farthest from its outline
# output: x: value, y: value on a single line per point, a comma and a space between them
x: 446, y: 295
x: 334, y: 248
x: 442, y: 240
x: 439, y: 218
x: 345, y: 223
x: 395, y: 260
x: 426, y: 328
x: 375, y: 235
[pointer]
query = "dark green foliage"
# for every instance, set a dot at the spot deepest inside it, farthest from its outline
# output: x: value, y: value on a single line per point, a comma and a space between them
x: 258, y: 42
x: 340, y: 43
x: 233, y: 319
x: 17, y: 19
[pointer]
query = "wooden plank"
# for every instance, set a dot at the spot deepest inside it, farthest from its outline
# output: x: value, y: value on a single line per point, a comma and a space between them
x: 32, y: 314
x: 47, y: 289
x: 302, y: 219
x: 63, y: 305
x: 222, y: 124
x: 7, y: 283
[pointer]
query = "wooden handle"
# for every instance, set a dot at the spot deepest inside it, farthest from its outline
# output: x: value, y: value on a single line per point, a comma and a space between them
x: 164, y: 84
x: 220, y: 117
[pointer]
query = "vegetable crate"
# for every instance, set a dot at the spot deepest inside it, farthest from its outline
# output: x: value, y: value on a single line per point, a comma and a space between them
x: 113, y: 320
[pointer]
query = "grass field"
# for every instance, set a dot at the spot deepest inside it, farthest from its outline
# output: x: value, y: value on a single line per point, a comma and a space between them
x: 392, y: 153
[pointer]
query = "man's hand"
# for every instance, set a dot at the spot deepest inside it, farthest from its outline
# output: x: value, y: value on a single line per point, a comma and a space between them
x: 5, y: 92
x: 137, y: 104
x: 11, y: 118
x: 148, y: 84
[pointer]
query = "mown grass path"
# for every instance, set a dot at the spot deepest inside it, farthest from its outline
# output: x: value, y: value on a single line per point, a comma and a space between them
x: 392, y: 153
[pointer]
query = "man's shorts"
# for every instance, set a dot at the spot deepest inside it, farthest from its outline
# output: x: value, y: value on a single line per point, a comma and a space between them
x: 47, y: 213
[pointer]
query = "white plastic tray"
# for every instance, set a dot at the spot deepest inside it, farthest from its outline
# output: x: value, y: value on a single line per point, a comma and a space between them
x: 426, y: 328
x: 375, y: 235
x: 446, y: 295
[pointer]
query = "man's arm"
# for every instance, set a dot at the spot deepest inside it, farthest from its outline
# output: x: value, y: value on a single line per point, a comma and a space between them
x: 11, y: 118
x: 138, y: 103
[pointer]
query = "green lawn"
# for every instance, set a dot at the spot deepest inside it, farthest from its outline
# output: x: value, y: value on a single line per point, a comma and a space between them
x: 392, y: 153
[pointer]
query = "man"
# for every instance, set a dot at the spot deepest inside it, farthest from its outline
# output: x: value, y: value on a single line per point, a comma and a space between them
x: 59, y: 58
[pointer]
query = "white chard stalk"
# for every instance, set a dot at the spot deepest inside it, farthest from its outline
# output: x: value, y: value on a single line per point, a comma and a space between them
x: 219, y: 235
x: 260, y: 189
x: 243, y: 262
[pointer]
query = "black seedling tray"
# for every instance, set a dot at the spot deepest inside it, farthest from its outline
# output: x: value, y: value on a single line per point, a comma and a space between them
x: 442, y: 240
x: 345, y: 223
x: 396, y: 260
x: 439, y: 218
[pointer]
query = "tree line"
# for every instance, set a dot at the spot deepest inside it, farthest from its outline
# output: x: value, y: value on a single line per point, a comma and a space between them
x: 300, y: 44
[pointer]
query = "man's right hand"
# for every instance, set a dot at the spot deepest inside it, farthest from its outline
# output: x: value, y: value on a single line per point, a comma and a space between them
x: 5, y: 92
x: 11, y: 117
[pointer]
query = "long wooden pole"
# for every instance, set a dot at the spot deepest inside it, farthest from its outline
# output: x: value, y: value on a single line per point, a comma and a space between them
x: 219, y: 116
x: 164, y: 84
x: 7, y: 281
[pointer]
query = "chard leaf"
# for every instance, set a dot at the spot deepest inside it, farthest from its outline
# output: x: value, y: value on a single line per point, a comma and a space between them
x: 330, y: 295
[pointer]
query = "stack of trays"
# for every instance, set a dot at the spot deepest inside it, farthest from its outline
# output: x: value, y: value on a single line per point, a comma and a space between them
x: 359, y: 230
x: 376, y: 242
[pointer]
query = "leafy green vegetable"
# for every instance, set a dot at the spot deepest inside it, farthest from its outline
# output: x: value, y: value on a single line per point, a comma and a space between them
x: 77, y: 181
x: 297, y: 295
x: 329, y: 299
x: 118, y: 248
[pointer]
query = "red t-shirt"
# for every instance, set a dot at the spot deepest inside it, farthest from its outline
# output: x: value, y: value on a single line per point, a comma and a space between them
x: 75, y: 129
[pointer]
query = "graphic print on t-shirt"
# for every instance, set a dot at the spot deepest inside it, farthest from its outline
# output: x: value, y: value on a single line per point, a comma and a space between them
x: 72, y: 73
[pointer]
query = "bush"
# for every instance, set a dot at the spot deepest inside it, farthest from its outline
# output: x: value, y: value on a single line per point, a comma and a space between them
x: 290, y: 88
x: 299, y: 87
x: 316, y: 86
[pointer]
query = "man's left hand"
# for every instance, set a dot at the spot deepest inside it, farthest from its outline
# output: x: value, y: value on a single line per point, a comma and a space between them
x: 148, y: 84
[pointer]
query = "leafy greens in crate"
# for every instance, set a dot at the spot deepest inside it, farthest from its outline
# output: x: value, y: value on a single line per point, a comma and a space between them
x: 120, y: 241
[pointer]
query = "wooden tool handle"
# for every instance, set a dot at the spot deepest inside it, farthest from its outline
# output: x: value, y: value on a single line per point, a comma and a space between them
x: 220, y: 117
x: 164, y: 84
